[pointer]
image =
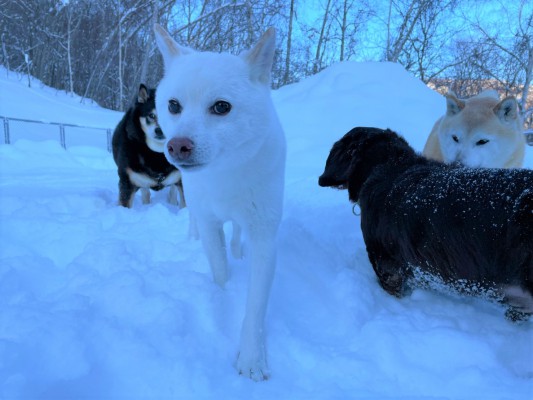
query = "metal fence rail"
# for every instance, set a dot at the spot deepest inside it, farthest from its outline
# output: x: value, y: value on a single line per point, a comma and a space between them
x: 67, y: 134
x: 83, y: 136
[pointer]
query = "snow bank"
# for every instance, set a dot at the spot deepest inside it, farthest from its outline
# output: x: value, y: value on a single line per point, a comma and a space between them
x: 99, y: 301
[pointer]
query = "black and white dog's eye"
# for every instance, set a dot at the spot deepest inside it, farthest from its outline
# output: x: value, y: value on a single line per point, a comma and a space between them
x: 455, y: 139
x: 221, y: 107
x: 481, y: 142
x: 152, y: 116
x: 174, y: 106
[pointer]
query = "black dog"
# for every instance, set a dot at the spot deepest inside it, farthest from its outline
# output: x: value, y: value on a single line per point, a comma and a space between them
x: 138, y: 145
x: 471, y: 229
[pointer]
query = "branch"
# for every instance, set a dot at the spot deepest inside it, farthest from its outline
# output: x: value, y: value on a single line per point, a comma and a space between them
x: 209, y: 14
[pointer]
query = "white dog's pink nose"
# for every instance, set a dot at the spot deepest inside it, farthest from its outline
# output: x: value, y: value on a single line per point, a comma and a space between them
x: 180, y: 148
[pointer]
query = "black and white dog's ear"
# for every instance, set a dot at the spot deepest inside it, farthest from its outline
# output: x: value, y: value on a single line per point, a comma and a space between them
x: 142, y: 97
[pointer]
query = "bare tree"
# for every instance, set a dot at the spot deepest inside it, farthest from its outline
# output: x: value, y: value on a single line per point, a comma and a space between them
x: 350, y: 17
x: 425, y: 52
x: 502, y: 54
x: 322, y: 38
x: 409, y: 13
x: 289, y: 44
x: 73, y: 20
x: 103, y: 49
x: 149, y: 52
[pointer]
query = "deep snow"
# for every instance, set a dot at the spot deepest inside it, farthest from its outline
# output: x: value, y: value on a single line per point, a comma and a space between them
x: 98, y: 301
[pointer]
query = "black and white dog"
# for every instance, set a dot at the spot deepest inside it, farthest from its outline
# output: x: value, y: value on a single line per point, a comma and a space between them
x: 470, y: 229
x: 138, y: 144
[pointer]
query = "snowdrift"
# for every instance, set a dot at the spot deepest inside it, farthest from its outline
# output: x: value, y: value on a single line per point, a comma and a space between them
x: 102, y: 302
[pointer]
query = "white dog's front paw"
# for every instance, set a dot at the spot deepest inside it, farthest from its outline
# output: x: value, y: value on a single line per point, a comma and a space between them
x: 256, y: 370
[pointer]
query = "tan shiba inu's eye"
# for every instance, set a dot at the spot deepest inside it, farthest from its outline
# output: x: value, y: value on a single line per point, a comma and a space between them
x: 221, y: 108
x: 455, y: 139
x: 174, y: 106
x: 481, y: 142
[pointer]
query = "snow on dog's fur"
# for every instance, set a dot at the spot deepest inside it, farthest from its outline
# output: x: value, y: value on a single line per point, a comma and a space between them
x: 469, y: 228
x: 226, y: 139
x: 478, y: 132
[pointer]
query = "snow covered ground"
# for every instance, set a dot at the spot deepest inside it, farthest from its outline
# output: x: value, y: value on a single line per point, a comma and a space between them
x: 102, y: 302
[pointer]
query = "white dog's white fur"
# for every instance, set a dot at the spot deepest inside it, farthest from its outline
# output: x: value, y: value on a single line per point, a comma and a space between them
x: 232, y: 165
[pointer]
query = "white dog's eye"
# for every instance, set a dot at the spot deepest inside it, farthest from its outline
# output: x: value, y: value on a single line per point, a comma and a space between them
x: 481, y: 142
x: 455, y: 138
x: 174, y: 106
x: 221, y: 108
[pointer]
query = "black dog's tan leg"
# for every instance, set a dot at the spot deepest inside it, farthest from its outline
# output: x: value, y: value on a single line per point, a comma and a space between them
x: 145, y: 195
x: 126, y: 192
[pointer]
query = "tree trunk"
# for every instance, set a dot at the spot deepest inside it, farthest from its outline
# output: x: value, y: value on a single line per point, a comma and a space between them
x: 150, y: 45
x: 120, y: 83
x: 344, y: 28
x: 286, y: 76
x: 528, y: 78
x: 318, y: 54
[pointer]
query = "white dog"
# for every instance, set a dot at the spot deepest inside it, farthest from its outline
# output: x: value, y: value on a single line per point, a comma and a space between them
x: 226, y: 139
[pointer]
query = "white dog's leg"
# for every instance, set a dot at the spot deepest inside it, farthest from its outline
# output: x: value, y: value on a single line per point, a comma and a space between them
x: 183, y: 204
x: 214, y: 243
x: 172, y: 196
x: 252, y: 356
x: 236, y: 246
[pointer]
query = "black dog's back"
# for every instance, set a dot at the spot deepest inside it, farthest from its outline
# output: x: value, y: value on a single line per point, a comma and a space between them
x: 460, y: 223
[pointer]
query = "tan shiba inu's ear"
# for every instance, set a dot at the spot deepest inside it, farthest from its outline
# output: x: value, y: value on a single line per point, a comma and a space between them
x: 261, y: 56
x: 451, y: 93
x: 507, y: 109
x: 167, y: 46
x: 453, y: 104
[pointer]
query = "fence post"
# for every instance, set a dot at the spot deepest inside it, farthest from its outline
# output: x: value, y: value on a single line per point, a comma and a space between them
x: 62, y: 136
x: 6, y: 131
x: 109, y: 138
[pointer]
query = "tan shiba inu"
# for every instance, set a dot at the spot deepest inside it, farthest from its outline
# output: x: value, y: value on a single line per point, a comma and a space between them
x: 478, y: 132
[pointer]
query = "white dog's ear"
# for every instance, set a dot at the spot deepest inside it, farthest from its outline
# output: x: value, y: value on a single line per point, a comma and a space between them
x: 167, y: 46
x: 261, y: 56
x: 507, y: 109
x: 453, y: 105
